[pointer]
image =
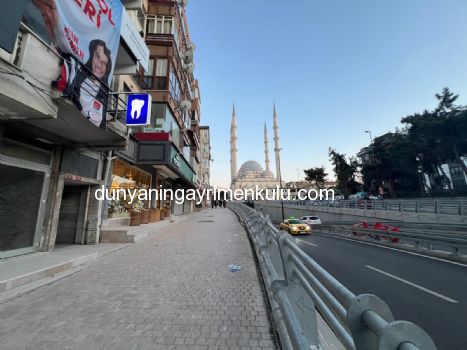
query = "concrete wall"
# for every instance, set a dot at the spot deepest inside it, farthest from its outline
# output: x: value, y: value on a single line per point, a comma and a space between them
x: 357, y: 215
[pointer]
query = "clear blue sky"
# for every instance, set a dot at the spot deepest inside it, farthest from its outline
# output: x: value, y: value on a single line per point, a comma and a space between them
x: 334, y: 68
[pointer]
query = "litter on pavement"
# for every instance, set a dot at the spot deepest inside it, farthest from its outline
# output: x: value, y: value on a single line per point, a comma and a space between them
x: 234, y: 268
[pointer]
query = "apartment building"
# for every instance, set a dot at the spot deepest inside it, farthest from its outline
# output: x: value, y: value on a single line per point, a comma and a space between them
x: 205, y: 165
x: 166, y: 153
x: 58, y: 120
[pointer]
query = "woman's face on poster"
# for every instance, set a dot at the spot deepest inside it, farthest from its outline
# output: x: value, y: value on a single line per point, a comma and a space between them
x: 99, y: 62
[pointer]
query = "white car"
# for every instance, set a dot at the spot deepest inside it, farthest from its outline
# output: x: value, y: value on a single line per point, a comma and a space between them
x: 311, y: 220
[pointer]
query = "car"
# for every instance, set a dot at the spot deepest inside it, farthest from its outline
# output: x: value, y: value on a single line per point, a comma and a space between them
x: 360, y: 195
x: 295, y: 226
x: 311, y: 220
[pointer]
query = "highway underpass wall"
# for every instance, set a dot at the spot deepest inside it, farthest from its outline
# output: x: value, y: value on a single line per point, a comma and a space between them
x: 330, y: 214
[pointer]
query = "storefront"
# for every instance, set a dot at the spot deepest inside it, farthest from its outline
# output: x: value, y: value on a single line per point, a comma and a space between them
x: 127, y: 177
x: 24, y: 183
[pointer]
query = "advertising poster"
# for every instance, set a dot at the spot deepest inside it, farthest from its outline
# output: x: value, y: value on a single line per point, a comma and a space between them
x: 88, y: 32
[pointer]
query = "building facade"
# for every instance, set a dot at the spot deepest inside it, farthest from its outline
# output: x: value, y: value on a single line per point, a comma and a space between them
x: 165, y: 154
x: 205, y: 165
x: 52, y: 159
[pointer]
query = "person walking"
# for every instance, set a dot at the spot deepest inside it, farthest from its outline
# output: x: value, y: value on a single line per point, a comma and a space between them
x: 224, y: 203
x: 212, y: 203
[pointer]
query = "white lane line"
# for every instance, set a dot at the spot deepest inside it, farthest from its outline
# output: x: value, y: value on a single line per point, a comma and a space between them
x: 301, y: 240
x: 398, y: 250
x: 426, y: 290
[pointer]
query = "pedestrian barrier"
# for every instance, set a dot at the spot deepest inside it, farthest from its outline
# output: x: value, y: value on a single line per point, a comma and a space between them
x: 426, y: 206
x: 297, y: 287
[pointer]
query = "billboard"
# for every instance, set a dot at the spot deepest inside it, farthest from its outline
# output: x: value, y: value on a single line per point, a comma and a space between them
x: 88, y: 32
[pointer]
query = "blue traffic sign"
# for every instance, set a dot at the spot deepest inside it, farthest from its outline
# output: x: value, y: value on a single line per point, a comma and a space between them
x: 138, y: 110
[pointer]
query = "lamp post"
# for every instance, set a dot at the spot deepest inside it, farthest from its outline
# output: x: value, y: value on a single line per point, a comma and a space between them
x: 280, y: 186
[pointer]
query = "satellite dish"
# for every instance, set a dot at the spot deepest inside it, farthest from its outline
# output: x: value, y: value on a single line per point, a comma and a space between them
x: 190, y: 46
x: 188, y: 57
x: 185, y: 105
x: 189, y: 68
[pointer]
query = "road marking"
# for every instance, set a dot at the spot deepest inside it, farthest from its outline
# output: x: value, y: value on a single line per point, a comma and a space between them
x: 301, y: 240
x: 441, y: 296
x: 390, y: 248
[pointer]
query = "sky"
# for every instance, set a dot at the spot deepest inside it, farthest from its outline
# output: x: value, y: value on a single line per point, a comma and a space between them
x: 334, y: 68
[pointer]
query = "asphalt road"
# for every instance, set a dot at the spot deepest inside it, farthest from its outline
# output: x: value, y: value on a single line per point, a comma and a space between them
x: 429, y: 292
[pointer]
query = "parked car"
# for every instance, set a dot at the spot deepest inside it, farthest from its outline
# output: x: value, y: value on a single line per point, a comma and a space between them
x: 311, y: 220
x: 360, y: 195
x: 295, y: 226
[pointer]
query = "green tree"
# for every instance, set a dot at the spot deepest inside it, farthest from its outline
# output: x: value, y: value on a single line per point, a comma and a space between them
x: 345, y: 171
x: 316, y: 175
x: 439, y: 136
x: 393, y: 166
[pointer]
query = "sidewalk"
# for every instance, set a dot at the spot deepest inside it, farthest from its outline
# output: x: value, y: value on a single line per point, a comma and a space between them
x: 171, y: 291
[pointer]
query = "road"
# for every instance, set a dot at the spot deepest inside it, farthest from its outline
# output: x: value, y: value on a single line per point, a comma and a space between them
x: 427, y: 291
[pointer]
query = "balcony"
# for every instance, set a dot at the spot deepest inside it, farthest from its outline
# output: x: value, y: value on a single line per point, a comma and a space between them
x: 132, y: 48
x: 141, y: 6
x: 160, y: 39
x: 30, y: 105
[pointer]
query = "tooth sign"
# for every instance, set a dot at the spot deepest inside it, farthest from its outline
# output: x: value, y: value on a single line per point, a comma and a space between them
x: 136, y: 106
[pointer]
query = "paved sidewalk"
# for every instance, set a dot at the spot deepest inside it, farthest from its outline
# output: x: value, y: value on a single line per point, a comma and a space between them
x: 171, y: 291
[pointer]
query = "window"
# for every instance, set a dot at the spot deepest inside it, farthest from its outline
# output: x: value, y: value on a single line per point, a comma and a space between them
x: 159, y: 25
x: 175, y: 89
x: 161, y: 74
x: 156, y: 76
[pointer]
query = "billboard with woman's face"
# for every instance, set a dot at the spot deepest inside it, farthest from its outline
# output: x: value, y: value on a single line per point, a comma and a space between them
x: 87, y: 31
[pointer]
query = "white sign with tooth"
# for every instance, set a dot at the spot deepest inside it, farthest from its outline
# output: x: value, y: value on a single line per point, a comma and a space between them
x: 139, y: 109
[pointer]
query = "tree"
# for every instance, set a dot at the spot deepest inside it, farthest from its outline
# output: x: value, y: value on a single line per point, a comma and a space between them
x: 316, y: 175
x: 392, y: 165
x: 439, y: 136
x: 345, y: 171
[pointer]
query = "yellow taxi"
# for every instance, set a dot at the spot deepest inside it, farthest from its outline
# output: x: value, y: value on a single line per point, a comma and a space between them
x: 295, y: 226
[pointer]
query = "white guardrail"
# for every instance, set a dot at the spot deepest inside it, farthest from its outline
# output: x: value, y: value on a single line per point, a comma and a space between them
x: 297, y: 286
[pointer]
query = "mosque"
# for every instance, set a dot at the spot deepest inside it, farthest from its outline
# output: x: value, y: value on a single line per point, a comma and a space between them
x: 251, y: 173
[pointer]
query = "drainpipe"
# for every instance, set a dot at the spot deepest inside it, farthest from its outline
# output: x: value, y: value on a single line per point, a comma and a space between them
x: 109, y: 159
x: 108, y: 162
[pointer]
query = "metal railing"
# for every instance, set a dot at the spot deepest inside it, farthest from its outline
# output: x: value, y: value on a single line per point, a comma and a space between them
x: 451, y: 244
x: 297, y: 286
x: 427, y: 206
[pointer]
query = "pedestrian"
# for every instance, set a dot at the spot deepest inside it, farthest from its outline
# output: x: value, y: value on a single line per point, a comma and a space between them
x: 224, y: 203
x: 215, y: 203
x: 212, y: 203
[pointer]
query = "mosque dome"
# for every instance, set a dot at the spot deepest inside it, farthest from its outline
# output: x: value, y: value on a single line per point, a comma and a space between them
x: 250, y: 168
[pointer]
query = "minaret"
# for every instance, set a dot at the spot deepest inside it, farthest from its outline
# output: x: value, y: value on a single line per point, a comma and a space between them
x: 233, y: 148
x: 276, y: 145
x: 266, y: 149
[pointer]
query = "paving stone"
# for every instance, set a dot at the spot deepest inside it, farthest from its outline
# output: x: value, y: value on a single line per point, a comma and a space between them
x: 171, y: 291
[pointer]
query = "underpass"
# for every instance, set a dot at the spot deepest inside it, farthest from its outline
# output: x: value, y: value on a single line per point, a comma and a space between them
x: 428, y: 291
